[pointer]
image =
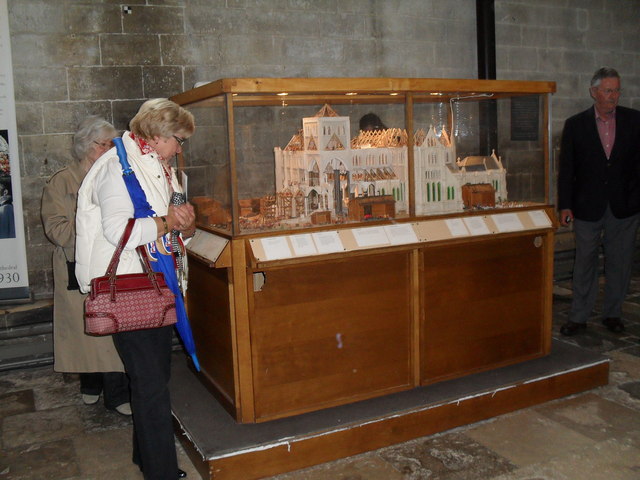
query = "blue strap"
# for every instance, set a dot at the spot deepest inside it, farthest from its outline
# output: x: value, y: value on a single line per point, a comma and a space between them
x: 141, y: 206
x: 122, y: 155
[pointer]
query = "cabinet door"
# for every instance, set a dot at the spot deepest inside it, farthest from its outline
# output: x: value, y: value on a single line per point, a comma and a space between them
x: 209, y: 306
x: 330, y: 333
x: 483, y: 305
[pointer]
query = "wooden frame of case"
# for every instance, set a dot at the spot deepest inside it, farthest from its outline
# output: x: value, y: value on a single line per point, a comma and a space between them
x: 325, y: 330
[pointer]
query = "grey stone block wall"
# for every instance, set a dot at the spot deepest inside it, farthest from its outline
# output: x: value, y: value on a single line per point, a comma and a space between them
x: 72, y: 58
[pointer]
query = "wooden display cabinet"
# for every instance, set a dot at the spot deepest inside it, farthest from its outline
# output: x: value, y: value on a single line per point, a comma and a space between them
x: 300, y: 301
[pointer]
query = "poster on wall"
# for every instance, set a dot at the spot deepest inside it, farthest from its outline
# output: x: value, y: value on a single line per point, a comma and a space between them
x: 14, y: 281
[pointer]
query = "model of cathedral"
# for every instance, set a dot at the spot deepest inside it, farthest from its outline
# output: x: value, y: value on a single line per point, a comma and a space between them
x: 440, y: 179
x: 322, y: 169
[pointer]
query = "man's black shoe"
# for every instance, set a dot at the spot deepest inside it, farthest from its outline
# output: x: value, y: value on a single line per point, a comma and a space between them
x: 613, y: 324
x: 572, y: 328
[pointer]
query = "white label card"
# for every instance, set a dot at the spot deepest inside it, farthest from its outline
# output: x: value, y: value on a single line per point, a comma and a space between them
x: 507, y: 222
x: 368, y: 237
x: 401, y: 233
x: 207, y: 245
x: 328, y: 242
x: 477, y: 226
x: 276, y: 248
x: 184, y: 181
x: 539, y: 218
x: 456, y: 227
x: 303, y: 244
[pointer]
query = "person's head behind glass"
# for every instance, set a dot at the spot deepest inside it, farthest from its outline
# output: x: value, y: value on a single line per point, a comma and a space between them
x: 370, y: 122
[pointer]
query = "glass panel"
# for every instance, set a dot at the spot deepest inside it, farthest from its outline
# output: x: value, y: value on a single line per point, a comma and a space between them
x: 207, y: 164
x: 521, y: 143
x: 476, y: 153
x: 301, y: 160
x: 305, y: 165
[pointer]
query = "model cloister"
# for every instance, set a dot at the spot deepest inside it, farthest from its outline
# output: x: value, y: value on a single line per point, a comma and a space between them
x: 321, y: 168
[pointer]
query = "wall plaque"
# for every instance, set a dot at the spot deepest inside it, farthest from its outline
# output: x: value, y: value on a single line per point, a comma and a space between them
x: 525, y: 118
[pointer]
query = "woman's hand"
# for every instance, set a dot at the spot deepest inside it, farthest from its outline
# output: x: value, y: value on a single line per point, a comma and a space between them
x: 179, y: 217
x: 182, y: 218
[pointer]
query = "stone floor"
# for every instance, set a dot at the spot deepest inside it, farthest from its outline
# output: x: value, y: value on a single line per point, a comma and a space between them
x: 47, y: 433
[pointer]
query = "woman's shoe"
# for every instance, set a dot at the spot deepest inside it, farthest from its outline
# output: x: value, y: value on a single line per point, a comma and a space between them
x: 124, y: 409
x: 181, y: 473
x: 90, y: 399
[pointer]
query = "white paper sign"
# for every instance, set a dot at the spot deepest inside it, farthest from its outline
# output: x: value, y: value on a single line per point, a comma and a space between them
x: 456, y: 227
x: 539, y: 218
x: 207, y: 245
x: 368, y: 237
x: 401, y: 234
x: 477, y: 226
x: 507, y: 222
x: 303, y: 244
x: 276, y: 248
x: 327, y: 242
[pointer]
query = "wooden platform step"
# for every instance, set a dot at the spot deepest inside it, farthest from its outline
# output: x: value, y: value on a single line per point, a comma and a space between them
x: 224, y: 450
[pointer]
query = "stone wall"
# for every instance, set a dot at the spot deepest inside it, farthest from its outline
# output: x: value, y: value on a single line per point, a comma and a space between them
x: 72, y: 58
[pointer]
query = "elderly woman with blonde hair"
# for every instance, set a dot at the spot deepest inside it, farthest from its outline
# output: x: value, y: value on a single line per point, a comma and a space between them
x: 105, y: 205
x: 96, y: 359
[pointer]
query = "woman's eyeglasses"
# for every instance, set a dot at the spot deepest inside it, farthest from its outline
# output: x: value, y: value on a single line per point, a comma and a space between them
x: 106, y: 144
x: 180, y: 140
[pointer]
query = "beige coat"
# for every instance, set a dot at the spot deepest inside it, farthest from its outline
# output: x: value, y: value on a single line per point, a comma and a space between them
x: 74, y: 351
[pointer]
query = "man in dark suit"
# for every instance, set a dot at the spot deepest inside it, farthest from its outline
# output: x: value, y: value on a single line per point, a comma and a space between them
x: 599, y: 190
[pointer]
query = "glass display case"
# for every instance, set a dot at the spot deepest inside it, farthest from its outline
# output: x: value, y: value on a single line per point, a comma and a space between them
x: 336, y: 262
x: 287, y: 154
